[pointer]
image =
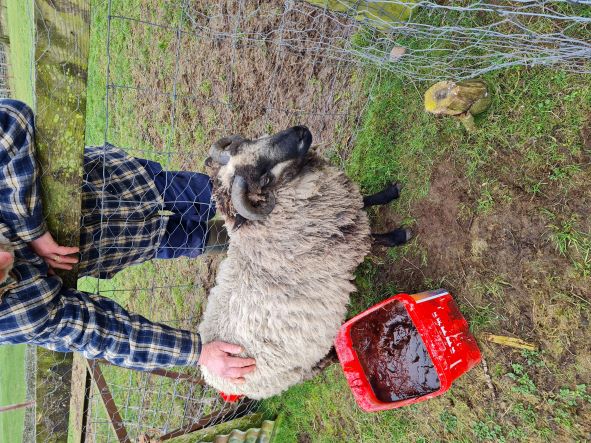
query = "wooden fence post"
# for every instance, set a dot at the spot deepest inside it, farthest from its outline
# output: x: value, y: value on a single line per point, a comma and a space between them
x: 63, y: 35
x: 61, y: 54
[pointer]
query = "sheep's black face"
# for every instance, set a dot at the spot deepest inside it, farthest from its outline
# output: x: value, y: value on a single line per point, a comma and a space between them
x: 249, y: 170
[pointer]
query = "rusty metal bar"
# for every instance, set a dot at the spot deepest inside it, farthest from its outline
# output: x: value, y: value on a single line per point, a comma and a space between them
x: 17, y: 406
x: 107, y: 398
x: 168, y: 374
x: 214, y: 418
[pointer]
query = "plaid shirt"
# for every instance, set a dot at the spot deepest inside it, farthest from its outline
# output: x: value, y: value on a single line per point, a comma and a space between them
x: 121, y: 223
x: 34, y: 307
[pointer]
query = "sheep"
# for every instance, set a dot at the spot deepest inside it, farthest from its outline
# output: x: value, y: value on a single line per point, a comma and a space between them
x: 297, y: 233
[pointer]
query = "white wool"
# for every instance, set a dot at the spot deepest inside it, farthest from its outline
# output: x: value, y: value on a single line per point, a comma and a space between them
x: 283, y: 289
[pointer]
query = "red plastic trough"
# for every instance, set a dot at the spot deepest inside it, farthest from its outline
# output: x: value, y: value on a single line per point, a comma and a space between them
x: 444, y: 331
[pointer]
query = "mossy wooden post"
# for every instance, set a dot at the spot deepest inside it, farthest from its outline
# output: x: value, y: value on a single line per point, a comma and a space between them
x: 63, y: 33
x: 61, y: 53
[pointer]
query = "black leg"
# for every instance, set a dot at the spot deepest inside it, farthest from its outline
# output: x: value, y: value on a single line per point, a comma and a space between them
x: 328, y: 360
x: 391, y: 192
x: 395, y: 238
x: 217, y: 238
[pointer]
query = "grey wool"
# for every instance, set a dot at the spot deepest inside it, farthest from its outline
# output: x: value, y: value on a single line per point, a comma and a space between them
x: 283, y: 289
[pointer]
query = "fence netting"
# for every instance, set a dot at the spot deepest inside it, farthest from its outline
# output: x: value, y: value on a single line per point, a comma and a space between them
x: 4, y: 87
x: 167, y: 78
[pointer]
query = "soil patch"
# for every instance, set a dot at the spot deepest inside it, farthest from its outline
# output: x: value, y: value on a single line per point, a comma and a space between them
x: 501, y: 266
x: 440, y: 226
x: 243, y: 69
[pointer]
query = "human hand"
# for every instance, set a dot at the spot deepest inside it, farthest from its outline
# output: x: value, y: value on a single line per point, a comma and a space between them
x: 6, y: 260
x: 217, y: 358
x: 56, y: 256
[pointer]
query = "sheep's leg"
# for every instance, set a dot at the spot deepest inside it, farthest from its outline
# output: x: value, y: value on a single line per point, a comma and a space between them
x: 385, y: 196
x: 328, y: 360
x: 217, y: 238
x: 396, y: 237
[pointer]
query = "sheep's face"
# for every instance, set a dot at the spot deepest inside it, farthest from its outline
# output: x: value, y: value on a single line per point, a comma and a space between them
x: 247, y: 171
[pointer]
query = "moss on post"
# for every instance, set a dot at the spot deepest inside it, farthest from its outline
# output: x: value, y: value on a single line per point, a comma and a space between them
x: 63, y: 30
x: 61, y: 53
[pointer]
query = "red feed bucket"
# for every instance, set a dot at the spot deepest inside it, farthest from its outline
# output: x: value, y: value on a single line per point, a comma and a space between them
x: 230, y: 398
x: 444, y: 332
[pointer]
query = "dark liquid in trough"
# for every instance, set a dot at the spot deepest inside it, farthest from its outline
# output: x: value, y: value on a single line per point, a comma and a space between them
x: 393, y: 355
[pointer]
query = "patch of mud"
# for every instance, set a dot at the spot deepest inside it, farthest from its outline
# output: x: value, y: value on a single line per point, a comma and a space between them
x: 440, y: 232
x: 439, y: 227
x: 502, y: 268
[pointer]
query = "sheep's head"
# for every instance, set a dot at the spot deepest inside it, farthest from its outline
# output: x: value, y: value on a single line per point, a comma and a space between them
x: 247, y: 171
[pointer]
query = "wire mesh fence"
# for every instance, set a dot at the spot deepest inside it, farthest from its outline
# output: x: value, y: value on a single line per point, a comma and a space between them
x: 4, y: 62
x: 4, y: 73
x: 166, y: 79
x: 434, y: 40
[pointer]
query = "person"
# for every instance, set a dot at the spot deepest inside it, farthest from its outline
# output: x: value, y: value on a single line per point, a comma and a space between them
x: 132, y: 211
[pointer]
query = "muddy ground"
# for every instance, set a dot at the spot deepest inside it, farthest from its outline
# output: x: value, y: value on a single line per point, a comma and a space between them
x: 509, y: 279
x: 235, y: 68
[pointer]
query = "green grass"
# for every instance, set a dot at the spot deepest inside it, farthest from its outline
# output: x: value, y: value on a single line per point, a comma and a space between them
x: 572, y: 242
x: 123, y: 56
x: 396, y: 141
x: 12, y: 358
x: 535, y: 119
x: 21, y: 33
x: 97, y: 69
x: 323, y: 410
x: 12, y: 390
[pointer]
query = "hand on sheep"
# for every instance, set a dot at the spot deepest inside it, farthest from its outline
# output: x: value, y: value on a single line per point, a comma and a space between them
x: 6, y: 259
x: 217, y: 357
x: 56, y: 256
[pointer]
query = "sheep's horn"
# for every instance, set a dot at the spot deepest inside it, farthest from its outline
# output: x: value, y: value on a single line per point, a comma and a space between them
x: 217, y: 153
x: 242, y: 204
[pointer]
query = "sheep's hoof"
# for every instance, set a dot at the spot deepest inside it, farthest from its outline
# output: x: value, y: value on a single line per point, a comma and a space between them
x: 392, y: 191
x: 397, y: 237
x: 408, y: 233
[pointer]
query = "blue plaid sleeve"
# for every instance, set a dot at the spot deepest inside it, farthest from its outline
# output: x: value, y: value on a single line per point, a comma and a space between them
x: 64, y: 320
x: 20, y: 200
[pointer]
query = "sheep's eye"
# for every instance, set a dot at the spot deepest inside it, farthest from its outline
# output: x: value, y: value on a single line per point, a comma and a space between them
x: 265, y: 180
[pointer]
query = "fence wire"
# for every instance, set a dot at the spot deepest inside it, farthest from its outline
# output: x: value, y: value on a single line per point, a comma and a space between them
x: 4, y: 59
x: 4, y: 73
x: 166, y: 79
x: 464, y: 39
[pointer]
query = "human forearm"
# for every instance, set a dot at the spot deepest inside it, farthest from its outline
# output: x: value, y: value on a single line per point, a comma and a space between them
x: 98, y: 328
